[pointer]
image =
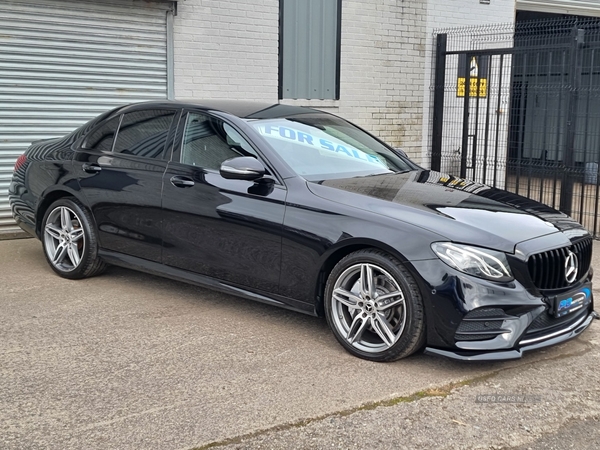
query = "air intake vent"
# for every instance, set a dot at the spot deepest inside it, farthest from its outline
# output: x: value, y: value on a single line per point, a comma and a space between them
x: 481, y: 324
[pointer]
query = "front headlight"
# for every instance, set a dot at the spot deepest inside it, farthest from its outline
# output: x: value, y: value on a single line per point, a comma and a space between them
x: 476, y: 261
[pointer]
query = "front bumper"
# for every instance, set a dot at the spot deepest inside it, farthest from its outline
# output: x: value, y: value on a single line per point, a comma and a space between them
x: 473, y: 319
x: 553, y: 338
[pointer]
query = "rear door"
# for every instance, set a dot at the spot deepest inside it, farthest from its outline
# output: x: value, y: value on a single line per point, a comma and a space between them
x: 120, y: 169
x: 226, y: 229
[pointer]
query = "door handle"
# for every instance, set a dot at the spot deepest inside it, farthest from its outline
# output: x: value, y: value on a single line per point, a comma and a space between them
x: 91, y: 168
x: 182, y: 182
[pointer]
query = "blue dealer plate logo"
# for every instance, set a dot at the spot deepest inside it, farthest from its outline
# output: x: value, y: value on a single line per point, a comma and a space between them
x: 573, y: 303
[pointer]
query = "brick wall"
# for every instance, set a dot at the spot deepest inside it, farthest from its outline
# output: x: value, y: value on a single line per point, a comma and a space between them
x: 383, y: 46
x: 226, y: 49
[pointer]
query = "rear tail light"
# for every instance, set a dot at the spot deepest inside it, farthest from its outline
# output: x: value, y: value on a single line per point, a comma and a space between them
x: 22, y: 160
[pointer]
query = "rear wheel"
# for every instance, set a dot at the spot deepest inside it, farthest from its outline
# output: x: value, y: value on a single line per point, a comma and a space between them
x: 374, y: 307
x: 69, y: 240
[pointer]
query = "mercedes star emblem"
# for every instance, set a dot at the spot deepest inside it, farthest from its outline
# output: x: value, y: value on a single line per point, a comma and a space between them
x: 571, y: 266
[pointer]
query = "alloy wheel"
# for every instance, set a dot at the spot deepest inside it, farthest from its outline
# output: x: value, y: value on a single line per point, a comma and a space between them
x: 368, y: 307
x: 64, y: 239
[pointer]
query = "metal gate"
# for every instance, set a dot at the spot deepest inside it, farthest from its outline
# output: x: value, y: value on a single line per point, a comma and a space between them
x: 518, y: 107
x: 64, y: 62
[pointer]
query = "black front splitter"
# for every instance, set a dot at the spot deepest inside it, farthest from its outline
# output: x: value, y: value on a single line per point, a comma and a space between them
x: 503, y: 355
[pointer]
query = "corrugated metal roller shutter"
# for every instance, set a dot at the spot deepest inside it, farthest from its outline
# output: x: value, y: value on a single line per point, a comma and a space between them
x: 574, y: 7
x: 62, y: 63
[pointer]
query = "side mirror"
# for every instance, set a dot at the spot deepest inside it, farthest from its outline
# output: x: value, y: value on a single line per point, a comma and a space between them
x: 242, y: 168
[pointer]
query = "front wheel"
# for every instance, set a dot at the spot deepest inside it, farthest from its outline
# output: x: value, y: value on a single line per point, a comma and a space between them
x: 69, y: 240
x: 374, y: 307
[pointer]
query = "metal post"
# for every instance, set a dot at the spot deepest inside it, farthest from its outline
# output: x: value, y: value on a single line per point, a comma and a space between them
x: 566, y: 191
x: 487, y: 121
x: 465, y: 131
x: 438, y: 101
x: 170, y: 55
x: 497, y: 139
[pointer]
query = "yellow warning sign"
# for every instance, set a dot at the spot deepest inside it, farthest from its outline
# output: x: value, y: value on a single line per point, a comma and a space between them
x: 478, y: 87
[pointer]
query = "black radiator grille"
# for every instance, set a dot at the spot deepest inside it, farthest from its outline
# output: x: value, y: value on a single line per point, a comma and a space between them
x: 547, y: 270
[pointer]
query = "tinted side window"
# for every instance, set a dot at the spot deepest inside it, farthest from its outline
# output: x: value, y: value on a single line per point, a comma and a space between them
x: 209, y: 141
x: 103, y: 137
x: 144, y: 133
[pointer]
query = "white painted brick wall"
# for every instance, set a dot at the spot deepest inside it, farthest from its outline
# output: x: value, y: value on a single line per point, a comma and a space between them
x: 383, y: 44
x: 227, y: 49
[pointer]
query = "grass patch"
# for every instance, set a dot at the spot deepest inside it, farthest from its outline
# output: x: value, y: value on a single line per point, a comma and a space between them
x: 442, y: 391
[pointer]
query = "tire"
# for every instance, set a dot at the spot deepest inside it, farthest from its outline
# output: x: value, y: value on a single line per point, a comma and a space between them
x: 70, y: 241
x: 360, y: 322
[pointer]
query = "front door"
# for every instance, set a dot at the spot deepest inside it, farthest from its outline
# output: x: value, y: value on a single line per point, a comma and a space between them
x: 225, y: 229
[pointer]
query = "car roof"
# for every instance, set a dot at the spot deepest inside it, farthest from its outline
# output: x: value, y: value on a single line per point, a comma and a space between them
x: 239, y: 108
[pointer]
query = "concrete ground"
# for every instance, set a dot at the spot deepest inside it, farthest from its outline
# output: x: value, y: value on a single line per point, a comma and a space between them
x: 131, y: 361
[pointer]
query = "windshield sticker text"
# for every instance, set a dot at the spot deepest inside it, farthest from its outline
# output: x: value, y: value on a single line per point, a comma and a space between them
x: 307, y: 139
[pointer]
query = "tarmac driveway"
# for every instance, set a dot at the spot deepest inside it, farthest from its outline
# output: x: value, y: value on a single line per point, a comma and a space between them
x: 128, y: 360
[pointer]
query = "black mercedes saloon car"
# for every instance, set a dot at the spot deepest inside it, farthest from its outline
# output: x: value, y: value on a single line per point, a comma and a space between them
x: 299, y: 208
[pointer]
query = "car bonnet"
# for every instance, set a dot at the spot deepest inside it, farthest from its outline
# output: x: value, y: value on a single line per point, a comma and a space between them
x: 461, y: 210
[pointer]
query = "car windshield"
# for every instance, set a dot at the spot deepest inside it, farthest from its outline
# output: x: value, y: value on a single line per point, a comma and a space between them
x: 322, y: 147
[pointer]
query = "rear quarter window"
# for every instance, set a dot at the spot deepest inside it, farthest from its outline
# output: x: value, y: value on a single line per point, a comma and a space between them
x: 144, y: 133
x: 102, y: 138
